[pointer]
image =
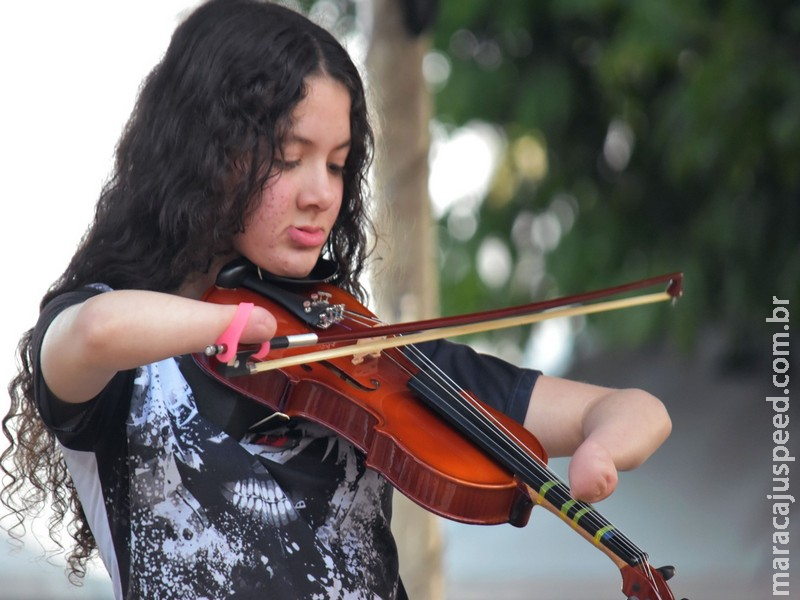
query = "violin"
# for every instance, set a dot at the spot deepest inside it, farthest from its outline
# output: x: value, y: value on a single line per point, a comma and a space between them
x: 438, y: 444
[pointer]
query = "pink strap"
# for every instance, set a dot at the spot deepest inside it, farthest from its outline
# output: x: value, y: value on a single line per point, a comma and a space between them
x: 262, y: 352
x: 230, y: 337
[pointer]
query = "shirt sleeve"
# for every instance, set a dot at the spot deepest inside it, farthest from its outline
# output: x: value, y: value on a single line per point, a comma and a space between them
x: 500, y: 384
x: 77, y: 426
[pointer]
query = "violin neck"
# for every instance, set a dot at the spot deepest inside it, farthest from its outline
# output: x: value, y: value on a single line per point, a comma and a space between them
x: 543, y: 485
x: 587, y: 522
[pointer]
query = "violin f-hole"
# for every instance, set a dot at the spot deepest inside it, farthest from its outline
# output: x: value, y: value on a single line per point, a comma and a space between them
x: 374, y: 384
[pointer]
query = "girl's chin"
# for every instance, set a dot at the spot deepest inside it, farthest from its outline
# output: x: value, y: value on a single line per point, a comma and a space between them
x: 297, y: 269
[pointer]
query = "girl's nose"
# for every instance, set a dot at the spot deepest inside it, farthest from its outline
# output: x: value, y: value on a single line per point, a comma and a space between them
x: 322, y: 188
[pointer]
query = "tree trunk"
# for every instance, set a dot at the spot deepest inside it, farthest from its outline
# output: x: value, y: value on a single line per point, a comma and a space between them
x: 404, y: 278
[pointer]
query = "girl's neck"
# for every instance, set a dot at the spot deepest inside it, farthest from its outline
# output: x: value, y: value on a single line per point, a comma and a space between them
x: 196, y: 284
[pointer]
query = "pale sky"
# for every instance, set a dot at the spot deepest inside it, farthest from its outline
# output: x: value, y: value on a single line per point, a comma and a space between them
x: 70, y: 73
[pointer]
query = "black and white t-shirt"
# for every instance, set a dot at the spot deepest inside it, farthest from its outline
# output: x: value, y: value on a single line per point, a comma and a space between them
x: 181, y: 507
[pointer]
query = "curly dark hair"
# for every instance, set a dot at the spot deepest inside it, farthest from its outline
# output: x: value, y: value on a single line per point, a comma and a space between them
x: 190, y: 165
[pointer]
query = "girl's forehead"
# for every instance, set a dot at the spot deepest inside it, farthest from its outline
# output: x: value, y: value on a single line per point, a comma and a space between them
x: 325, y: 111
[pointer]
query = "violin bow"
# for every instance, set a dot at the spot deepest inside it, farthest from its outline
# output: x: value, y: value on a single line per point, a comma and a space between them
x: 376, y: 338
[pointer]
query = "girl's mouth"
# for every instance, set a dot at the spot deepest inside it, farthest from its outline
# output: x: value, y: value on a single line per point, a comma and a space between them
x: 310, y: 237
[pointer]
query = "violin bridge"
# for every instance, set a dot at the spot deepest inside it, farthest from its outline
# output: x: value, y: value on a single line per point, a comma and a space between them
x: 359, y: 357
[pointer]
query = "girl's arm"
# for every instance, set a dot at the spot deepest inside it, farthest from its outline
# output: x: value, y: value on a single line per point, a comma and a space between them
x: 603, y: 429
x: 87, y: 344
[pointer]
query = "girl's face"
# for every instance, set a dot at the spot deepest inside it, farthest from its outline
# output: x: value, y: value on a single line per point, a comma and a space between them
x: 299, y: 206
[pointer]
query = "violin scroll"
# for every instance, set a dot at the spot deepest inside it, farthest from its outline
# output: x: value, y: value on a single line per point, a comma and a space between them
x: 642, y: 582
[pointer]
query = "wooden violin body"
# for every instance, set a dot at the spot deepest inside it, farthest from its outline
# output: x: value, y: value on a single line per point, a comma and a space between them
x: 440, y: 446
x: 370, y: 405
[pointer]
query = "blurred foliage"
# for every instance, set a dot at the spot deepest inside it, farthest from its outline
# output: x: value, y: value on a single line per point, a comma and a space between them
x: 641, y: 138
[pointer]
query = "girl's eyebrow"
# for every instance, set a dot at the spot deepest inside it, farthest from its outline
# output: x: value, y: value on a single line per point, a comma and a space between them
x: 292, y: 138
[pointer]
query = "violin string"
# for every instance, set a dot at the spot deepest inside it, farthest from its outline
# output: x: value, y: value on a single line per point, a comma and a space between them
x: 517, y: 448
x: 511, y: 443
x: 646, y: 569
x: 454, y: 391
x: 504, y: 437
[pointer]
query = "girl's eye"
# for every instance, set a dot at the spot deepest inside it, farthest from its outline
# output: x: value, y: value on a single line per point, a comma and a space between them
x: 285, y: 165
x: 338, y: 169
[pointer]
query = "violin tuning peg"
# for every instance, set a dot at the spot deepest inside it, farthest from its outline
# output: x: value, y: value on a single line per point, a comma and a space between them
x: 667, y: 572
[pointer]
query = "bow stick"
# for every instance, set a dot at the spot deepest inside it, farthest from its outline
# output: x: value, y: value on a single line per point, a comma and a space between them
x: 422, y: 331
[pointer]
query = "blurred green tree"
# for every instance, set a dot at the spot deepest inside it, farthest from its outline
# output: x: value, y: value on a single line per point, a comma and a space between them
x: 640, y: 138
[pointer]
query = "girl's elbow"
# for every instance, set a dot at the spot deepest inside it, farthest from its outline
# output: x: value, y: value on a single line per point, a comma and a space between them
x: 655, y: 426
x: 657, y: 423
x: 662, y: 420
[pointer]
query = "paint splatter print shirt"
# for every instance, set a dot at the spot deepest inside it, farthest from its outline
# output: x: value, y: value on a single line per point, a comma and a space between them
x: 181, y: 509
